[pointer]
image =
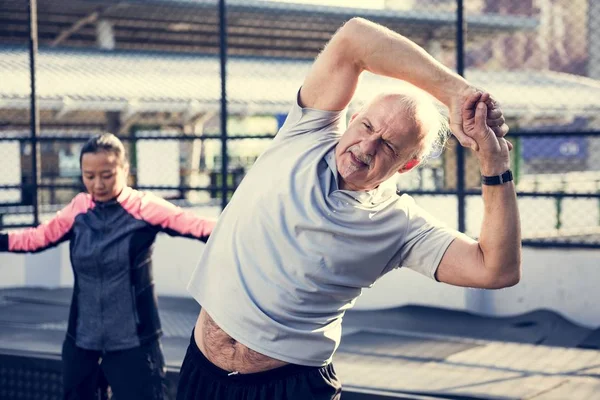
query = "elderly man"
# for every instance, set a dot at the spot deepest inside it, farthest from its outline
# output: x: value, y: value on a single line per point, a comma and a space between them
x: 317, y: 219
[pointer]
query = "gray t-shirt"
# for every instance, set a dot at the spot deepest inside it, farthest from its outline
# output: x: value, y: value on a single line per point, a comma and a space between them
x: 292, y: 252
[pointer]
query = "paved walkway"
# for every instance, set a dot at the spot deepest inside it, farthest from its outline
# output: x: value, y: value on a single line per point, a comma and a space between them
x: 487, y: 370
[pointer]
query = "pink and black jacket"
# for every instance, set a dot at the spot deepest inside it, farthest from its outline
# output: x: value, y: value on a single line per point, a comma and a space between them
x: 114, y: 305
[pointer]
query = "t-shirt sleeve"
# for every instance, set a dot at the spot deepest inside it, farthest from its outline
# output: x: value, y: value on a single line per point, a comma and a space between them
x: 425, y: 241
x: 303, y: 120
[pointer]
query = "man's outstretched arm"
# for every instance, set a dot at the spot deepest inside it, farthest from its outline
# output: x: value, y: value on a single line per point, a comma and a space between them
x: 361, y: 45
x: 494, y: 261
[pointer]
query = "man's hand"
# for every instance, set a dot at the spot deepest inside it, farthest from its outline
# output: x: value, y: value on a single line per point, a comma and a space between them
x: 494, y: 117
x: 492, y: 149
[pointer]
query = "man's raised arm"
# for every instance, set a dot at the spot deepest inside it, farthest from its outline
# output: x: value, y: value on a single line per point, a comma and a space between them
x: 494, y: 261
x: 361, y: 45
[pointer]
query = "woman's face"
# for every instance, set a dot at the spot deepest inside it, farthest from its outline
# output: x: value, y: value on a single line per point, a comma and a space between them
x: 104, y: 176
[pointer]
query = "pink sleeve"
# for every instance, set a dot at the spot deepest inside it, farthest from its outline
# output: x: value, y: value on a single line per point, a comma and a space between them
x: 170, y: 218
x: 52, y: 232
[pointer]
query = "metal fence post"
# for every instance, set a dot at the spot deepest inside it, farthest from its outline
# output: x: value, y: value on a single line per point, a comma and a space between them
x: 223, y: 60
x: 34, y: 118
x: 460, y: 151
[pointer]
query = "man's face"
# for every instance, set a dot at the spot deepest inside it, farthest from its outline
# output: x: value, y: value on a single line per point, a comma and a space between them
x: 380, y: 140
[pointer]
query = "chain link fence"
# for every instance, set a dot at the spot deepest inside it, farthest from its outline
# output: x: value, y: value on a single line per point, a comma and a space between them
x: 151, y: 72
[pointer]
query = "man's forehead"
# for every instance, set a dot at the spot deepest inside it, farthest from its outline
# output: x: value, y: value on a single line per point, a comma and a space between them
x: 389, y: 110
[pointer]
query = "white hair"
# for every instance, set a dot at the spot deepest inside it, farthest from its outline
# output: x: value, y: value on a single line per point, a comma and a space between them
x: 434, y: 121
x: 429, y: 115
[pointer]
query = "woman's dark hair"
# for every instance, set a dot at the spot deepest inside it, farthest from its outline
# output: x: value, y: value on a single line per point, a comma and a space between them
x: 104, y: 142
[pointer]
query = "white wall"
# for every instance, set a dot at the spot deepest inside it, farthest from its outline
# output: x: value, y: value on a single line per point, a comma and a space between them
x: 403, y: 286
x: 10, y: 167
x: 158, y: 164
x: 12, y: 270
x: 565, y: 281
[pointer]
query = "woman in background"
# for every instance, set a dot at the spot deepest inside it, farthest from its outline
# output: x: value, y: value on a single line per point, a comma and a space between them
x: 114, y: 326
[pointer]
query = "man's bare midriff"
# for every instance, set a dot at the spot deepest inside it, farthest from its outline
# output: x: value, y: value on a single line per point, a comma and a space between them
x: 227, y: 353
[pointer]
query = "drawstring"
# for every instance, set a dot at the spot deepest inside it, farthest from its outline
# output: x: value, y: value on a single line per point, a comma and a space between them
x: 233, y: 373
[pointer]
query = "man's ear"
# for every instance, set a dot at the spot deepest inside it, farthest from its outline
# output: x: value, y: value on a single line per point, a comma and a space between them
x: 353, y: 116
x: 409, y: 165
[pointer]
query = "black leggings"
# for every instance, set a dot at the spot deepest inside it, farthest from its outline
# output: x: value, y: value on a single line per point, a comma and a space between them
x: 137, y: 373
x: 201, y: 379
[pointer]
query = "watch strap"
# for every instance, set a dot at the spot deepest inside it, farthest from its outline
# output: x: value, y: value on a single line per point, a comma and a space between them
x: 497, y: 179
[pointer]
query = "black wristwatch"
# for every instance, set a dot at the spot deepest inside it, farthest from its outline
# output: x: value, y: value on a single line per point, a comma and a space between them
x: 497, y: 179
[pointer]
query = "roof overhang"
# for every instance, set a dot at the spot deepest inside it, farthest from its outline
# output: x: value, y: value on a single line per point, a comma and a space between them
x: 140, y: 82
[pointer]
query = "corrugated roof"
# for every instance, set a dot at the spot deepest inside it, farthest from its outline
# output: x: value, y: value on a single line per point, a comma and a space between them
x: 257, y: 28
x: 435, y: 17
x: 135, y: 82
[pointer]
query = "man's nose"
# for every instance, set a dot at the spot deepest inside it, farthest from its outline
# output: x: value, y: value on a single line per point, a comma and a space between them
x: 369, y: 145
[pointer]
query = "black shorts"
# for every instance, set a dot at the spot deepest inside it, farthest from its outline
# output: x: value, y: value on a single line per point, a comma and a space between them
x: 201, y: 379
x: 137, y: 373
